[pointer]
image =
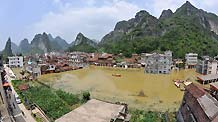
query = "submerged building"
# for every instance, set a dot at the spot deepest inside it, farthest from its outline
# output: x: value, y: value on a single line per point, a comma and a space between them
x: 197, y: 106
x: 191, y: 60
x: 158, y: 63
x: 207, y: 66
x: 78, y: 59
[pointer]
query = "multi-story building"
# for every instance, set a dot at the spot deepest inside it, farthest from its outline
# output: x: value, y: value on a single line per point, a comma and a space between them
x: 78, y: 59
x: 191, y: 60
x: 33, y: 68
x: 15, y: 61
x: 207, y: 66
x: 101, y: 59
x: 158, y: 63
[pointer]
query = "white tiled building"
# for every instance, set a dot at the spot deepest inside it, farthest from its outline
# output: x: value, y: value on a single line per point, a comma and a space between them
x: 207, y: 65
x: 78, y: 59
x: 191, y: 60
x: 158, y: 63
x: 15, y: 61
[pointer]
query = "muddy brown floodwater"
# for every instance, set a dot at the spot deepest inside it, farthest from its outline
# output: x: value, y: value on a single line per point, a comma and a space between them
x: 154, y: 92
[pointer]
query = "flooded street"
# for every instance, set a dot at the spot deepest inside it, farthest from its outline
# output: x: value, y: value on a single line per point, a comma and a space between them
x: 139, y: 90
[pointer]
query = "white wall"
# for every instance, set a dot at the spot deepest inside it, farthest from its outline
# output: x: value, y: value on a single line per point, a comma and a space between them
x: 16, y: 61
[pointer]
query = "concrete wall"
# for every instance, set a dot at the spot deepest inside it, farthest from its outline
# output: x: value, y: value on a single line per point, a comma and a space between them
x: 158, y: 63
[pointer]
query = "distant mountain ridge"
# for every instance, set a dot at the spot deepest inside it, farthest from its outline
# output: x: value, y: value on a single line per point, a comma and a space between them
x: 7, y: 50
x: 15, y: 48
x: 82, y: 43
x: 188, y: 29
x: 41, y: 43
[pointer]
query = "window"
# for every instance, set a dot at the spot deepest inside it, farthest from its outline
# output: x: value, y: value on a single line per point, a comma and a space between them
x: 187, y: 108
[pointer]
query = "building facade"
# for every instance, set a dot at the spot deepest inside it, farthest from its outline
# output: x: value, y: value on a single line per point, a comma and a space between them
x: 158, y: 63
x: 15, y: 61
x: 191, y: 60
x: 207, y: 66
x: 33, y: 68
x: 78, y: 59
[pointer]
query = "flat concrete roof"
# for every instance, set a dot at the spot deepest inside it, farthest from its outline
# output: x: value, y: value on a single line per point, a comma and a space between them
x: 208, y: 77
x: 92, y: 111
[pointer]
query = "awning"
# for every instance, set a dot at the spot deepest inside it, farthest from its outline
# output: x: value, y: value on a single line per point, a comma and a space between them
x: 208, y: 77
x: 6, y: 84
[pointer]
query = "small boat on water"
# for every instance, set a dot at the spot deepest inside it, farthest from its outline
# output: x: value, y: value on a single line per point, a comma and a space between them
x: 177, y: 84
x: 182, y: 89
x: 187, y: 83
x: 116, y: 75
x: 178, y: 81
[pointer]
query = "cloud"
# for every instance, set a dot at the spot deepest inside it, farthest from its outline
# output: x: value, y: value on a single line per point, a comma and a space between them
x: 94, y: 18
x: 94, y: 22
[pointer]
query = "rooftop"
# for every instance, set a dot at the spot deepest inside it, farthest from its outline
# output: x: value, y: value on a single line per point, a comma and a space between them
x: 93, y: 111
x: 214, y: 85
x: 209, y: 105
x: 195, y: 90
x: 208, y: 77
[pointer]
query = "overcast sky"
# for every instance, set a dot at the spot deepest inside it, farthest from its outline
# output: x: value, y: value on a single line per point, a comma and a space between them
x: 21, y: 19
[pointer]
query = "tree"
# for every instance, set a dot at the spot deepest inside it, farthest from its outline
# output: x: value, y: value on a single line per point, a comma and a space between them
x: 86, y: 96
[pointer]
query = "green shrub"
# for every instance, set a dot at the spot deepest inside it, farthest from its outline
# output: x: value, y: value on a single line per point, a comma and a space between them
x: 55, y: 103
x: 70, y: 99
x: 144, y: 116
x: 86, y: 96
x: 50, y: 103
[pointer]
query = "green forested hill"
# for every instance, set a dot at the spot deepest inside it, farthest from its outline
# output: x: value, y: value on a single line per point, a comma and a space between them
x: 189, y: 29
x: 83, y: 44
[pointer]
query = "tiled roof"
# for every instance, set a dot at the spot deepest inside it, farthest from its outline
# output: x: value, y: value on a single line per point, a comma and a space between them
x: 195, y: 90
x: 209, y: 105
x: 214, y: 85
